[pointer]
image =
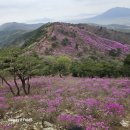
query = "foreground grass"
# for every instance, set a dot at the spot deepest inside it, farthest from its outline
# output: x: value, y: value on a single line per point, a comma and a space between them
x: 92, y: 104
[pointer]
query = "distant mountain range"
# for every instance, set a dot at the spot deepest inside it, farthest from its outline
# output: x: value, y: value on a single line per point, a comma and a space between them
x: 116, y: 15
x: 11, y: 31
x: 117, y: 27
x: 19, y: 26
x: 42, y: 20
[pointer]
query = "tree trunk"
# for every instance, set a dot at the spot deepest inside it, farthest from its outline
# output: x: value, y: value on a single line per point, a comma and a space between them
x: 10, y: 87
x: 60, y: 75
x: 18, y: 90
x: 28, y: 84
x: 23, y: 83
x: 2, y: 82
x: 24, y: 86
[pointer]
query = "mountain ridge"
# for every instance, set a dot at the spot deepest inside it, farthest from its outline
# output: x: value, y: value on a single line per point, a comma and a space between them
x: 13, y: 30
x: 117, y: 15
x: 19, y: 26
x: 73, y: 40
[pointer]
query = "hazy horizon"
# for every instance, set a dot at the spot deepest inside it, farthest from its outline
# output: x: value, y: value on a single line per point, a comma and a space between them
x: 28, y: 11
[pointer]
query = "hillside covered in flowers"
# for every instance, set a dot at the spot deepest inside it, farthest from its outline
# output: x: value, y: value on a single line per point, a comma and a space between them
x: 67, y: 103
x: 77, y: 41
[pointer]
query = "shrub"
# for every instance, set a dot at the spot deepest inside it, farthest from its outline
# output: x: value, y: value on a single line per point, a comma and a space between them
x: 65, y: 42
x: 53, y: 38
x: 115, y: 52
x: 55, y: 44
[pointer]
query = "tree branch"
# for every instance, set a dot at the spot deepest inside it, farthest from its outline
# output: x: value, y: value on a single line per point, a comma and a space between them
x: 10, y: 87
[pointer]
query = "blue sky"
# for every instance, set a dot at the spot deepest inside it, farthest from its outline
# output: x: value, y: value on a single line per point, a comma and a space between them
x: 27, y: 10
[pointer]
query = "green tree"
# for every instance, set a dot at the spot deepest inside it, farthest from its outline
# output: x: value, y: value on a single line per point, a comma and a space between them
x: 76, y: 68
x: 106, y: 69
x: 92, y: 68
x: 19, y: 66
x: 63, y: 65
x: 49, y: 65
x: 126, y: 66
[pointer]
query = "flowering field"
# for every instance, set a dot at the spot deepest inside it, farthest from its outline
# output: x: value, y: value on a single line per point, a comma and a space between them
x: 90, y: 104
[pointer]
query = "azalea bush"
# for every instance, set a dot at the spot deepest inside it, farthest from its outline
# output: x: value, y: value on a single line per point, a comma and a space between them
x: 114, y: 113
x: 87, y: 103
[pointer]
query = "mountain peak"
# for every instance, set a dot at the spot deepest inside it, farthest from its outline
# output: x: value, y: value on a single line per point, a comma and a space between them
x: 117, y: 15
x: 116, y: 12
x: 120, y: 8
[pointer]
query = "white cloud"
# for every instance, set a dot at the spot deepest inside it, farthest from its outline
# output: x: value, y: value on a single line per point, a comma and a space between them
x: 25, y: 10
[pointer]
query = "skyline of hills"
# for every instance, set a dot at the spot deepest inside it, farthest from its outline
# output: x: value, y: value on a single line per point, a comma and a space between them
x: 19, y: 26
x: 117, y: 15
